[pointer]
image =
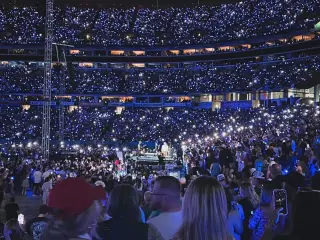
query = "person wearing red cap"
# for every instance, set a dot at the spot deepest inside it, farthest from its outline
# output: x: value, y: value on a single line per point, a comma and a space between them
x: 76, y: 208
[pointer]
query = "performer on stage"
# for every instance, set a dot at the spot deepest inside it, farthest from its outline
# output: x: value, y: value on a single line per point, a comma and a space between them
x: 139, y: 145
x: 165, y: 149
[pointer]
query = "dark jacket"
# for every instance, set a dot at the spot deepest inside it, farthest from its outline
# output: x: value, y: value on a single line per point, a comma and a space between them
x: 122, y: 229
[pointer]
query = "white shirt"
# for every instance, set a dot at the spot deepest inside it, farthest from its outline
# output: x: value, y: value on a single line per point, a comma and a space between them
x: 37, y: 176
x: 167, y: 224
x: 46, y: 174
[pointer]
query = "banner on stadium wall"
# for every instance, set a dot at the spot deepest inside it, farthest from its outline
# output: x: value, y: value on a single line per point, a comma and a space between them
x: 52, y: 103
x: 41, y: 103
x: 236, y: 104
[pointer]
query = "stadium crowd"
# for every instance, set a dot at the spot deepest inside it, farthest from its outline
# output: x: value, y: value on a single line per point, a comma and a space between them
x: 201, y: 78
x: 151, y: 124
x: 228, y: 165
x: 247, y: 153
x: 151, y: 27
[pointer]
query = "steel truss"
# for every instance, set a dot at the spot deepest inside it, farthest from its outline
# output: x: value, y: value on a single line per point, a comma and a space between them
x: 45, y: 143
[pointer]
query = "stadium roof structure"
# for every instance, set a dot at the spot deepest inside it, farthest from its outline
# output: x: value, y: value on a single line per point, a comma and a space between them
x: 129, y: 3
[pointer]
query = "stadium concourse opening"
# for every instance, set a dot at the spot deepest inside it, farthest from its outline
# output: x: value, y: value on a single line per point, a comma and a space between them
x: 191, y: 120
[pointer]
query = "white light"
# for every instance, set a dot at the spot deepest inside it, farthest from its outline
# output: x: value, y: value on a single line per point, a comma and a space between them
x: 29, y: 144
x: 99, y: 145
x: 124, y: 149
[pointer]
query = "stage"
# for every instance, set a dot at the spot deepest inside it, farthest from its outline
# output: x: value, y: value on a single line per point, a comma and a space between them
x: 151, y: 158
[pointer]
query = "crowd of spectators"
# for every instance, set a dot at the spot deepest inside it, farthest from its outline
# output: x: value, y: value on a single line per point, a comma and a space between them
x: 149, y: 124
x: 248, y: 154
x: 227, y: 162
x: 151, y: 27
x: 201, y: 78
x: 21, y: 79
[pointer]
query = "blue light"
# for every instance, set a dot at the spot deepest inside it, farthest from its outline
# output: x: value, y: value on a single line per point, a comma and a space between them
x: 285, y: 172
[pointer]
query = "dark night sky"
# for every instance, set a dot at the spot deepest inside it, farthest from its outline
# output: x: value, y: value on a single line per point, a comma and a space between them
x: 107, y: 3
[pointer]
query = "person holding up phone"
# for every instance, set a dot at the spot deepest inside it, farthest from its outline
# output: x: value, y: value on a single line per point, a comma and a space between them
x: 280, y: 200
x: 12, y: 230
x: 260, y: 219
x: 273, y: 218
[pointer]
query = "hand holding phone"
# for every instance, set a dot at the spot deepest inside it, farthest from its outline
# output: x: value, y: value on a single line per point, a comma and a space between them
x: 21, y: 219
x: 280, y: 200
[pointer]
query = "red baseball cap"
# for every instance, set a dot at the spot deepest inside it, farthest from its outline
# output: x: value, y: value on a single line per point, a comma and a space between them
x: 73, y: 196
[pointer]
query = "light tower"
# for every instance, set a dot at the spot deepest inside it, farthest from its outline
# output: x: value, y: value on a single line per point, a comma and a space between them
x: 45, y: 143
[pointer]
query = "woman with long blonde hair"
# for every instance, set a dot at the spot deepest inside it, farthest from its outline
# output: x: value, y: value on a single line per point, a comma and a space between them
x: 249, y: 202
x: 247, y: 191
x: 204, y: 211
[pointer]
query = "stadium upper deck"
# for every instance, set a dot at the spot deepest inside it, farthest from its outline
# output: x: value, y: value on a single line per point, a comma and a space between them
x: 160, y: 27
